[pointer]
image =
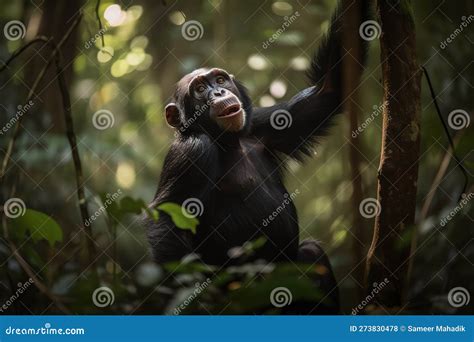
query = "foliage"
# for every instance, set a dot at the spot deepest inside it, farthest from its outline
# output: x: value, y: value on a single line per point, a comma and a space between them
x: 40, y: 227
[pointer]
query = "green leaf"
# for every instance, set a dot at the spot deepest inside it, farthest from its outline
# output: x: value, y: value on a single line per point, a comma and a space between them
x: 131, y: 205
x: 112, y: 207
x: 179, y: 219
x: 40, y: 226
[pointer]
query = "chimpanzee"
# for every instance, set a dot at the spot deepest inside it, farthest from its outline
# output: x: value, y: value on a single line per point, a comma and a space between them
x: 229, y: 159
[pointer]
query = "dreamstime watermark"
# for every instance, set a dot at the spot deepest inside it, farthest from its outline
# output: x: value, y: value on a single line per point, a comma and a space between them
x: 377, y: 287
x: 458, y: 296
x: 21, y: 287
x: 199, y: 110
x: 281, y: 296
x: 103, y: 119
x: 286, y: 24
x: 288, y: 198
x: 465, y: 22
x: 14, y: 30
x: 462, y: 203
x: 370, y: 30
x: 21, y: 110
x: 110, y: 198
x: 377, y: 110
x: 103, y: 296
x: 369, y: 207
x: 46, y: 330
x: 459, y: 119
x: 192, y: 207
x: 192, y: 30
x: 90, y: 43
x: 14, y: 207
x: 199, y: 287
x: 281, y: 119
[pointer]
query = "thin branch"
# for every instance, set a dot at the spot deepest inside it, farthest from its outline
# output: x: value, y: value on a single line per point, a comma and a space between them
x: 459, y: 162
x: 17, y: 129
x: 443, y: 167
x: 54, y: 57
x: 19, y: 51
x: 32, y: 92
x: 66, y: 100
x: 100, y: 22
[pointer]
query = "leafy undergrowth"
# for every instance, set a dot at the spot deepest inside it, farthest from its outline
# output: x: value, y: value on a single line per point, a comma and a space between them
x: 103, y: 287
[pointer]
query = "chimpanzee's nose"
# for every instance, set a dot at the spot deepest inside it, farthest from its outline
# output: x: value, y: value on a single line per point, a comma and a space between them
x: 219, y: 92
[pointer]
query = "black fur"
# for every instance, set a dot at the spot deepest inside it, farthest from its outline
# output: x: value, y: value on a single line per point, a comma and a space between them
x: 239, y: 176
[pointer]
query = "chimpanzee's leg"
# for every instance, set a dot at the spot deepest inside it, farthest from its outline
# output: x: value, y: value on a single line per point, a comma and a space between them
x: 311, y: 253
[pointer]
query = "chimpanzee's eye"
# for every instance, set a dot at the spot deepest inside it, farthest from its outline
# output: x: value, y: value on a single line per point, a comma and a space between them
x: 200, y: 88
x: 220, y: 80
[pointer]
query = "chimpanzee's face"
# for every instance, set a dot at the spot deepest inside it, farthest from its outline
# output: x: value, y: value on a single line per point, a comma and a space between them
x: 208, y: 98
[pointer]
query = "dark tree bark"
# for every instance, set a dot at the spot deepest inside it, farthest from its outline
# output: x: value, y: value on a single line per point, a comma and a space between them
x: 398, y: 171
x: 56, y: 18
x: 352, y: 75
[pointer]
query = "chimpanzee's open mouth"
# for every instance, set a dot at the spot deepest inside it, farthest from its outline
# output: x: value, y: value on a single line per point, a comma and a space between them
x: 230, y: 111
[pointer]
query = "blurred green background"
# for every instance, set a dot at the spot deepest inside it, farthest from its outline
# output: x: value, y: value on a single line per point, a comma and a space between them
x: 133, y: 75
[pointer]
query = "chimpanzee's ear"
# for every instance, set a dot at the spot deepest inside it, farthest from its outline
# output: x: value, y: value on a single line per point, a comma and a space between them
x: 172, y: 115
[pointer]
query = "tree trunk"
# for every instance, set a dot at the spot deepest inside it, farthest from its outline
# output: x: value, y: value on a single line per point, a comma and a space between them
x: 56, y: 18
x: 398, y: 172
x: 352, y: 75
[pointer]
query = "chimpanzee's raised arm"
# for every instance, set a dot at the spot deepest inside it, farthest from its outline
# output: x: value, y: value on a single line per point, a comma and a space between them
x: 292, y: 127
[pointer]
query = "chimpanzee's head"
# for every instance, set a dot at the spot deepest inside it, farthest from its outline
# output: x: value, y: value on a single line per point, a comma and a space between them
x: 209, y: 101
